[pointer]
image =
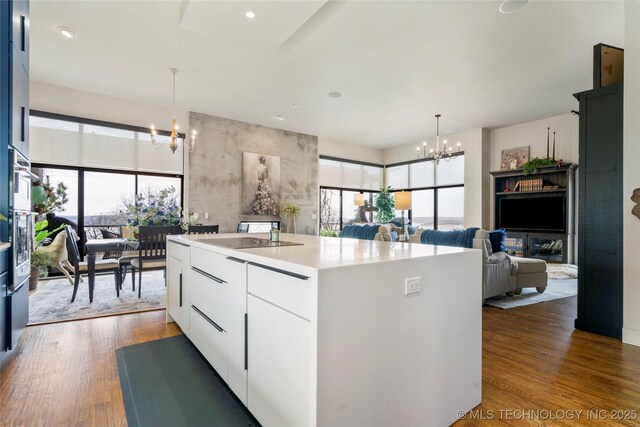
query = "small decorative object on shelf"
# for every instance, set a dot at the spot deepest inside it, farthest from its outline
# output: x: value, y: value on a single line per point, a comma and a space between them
x: 290, y: 211
x: 532, y: 165
x: 275, y: 235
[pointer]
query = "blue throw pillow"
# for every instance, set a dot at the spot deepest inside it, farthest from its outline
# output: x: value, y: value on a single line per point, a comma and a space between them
x: 497, y: 239
x: 398, y: 222
x: 412, y: 229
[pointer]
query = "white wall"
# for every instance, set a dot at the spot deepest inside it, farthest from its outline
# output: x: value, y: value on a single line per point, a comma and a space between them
x: 475, y: 163
x: 74, y: 102
x: 534, y: 134
x: 631, y: 316
x: 327, y: 147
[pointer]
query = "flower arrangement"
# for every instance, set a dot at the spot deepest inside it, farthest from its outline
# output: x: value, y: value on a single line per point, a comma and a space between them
x: 154, y: 208
x: 290, y: 209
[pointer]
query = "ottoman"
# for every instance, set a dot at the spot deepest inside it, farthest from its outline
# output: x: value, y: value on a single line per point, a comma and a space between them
x: 532, y: 273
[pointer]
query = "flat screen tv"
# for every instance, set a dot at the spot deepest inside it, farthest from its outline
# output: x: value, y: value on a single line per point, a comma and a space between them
x: 533, y: 213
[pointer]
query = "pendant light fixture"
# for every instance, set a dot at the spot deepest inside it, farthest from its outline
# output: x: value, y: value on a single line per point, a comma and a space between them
x: 437, y: 154
x: 190, y: 144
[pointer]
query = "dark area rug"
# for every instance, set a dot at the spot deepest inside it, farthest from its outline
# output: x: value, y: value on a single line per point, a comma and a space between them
x: 167, y: 382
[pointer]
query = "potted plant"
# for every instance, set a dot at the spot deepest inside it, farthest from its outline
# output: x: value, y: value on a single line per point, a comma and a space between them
x: 40, y: 260
x: 290, y: 211
x: 385, y: 204
x: 46, y: 198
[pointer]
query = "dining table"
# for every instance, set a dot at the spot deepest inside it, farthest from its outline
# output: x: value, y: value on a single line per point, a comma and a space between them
x: 93, y: 246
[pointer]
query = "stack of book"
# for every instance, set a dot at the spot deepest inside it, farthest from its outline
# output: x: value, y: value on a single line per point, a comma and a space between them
x: 529, y: 185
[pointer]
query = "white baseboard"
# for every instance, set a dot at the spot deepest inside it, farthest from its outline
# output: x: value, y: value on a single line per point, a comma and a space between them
x: 631, y: 336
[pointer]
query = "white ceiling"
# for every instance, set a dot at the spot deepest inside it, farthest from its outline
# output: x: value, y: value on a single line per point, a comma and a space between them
x: 396, y: 63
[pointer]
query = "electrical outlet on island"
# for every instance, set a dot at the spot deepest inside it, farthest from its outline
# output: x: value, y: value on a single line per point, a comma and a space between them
x: 412, y: 285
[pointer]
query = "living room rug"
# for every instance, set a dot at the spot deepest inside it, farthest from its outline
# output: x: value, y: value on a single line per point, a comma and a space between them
x: 562, y: 271
x: 51, y: 301
x: 556, y: 289
x: 167, y: 382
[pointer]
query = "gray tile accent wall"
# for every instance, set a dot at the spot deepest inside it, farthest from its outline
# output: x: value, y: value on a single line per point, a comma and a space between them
x: 215, y: 169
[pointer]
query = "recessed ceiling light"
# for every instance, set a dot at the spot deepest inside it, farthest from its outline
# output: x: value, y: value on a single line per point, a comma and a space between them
x: 510, y: 6
x: 334, y: 94
x: 279, y: 117
x: 67, y: 32
x: 295, y: 105
x: 250, y: 15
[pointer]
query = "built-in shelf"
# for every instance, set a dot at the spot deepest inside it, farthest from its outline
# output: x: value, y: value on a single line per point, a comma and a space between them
x: 557, y: 190
x: 531, y: 239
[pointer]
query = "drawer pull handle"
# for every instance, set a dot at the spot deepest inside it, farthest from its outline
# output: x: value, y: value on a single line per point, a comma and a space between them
x: 179, y: 243
x: 241, y: 261
x: 210, y: 276
x: 246, y: 342
x: 180, y: 289
x: 205, y: 317
x: 277, y: 270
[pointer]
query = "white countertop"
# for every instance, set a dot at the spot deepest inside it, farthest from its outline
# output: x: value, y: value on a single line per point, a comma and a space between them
x: 321, y: 252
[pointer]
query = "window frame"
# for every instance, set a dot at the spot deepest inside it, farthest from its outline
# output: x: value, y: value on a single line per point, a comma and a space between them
x: 81, y: 170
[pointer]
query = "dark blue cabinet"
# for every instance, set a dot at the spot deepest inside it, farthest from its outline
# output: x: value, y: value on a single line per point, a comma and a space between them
x: 600, y: 233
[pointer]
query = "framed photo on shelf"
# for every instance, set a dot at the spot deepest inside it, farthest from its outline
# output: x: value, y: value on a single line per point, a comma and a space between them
x: 514, y: 158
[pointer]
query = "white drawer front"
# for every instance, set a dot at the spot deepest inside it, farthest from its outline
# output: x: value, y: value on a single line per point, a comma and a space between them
x: 293, y: 293
x: 214, y: 264
x: 178, y: 250
x: 210, y: 295
x: 210, y: 340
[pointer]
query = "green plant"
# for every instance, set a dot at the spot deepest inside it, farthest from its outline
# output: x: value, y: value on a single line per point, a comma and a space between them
x: 41, y: 260
x: 537, y: 162
x: 385, y: 204
x: 42, y: 232
x: 290, y: 209
x: 46, y: 198
x: 3, y: 218
x: 328, y: 233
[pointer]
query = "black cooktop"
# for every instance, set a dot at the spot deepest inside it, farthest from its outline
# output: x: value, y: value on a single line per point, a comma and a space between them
x: 246, y: 243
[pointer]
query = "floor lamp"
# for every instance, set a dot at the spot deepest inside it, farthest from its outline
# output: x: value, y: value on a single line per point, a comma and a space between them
x: 403, y: 202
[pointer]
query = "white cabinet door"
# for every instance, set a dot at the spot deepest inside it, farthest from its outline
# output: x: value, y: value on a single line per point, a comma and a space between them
x: 279, y: 366
x: 211, y: 340
x: 177, y: 295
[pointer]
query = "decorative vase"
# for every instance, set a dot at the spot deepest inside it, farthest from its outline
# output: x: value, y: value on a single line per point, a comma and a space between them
x: 33, y: 279
x: 291, y: 224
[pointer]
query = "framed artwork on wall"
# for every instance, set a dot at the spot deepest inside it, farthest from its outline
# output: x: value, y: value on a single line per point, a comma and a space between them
x: 514, y: 158
x: 260, y: 184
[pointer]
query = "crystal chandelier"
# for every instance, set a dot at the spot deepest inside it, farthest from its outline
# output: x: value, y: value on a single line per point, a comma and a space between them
x: 175, y: 136
x: 436, y: 154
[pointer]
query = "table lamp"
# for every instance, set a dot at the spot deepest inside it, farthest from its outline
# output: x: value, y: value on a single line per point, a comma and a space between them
x: 403, y: 202
x: 358, y: 199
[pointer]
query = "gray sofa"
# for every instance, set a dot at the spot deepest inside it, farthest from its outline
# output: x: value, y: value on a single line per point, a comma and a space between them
x: 501, y: 273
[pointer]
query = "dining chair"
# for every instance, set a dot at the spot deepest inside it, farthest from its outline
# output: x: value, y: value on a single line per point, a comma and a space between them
x: 242, y: 228
x: 152, y: 251
x: 106, y: 234
x: 81, y: 266
x: 204, y: 229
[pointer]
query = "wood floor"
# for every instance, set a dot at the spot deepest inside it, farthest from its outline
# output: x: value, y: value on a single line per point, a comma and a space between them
x: 533, y: 361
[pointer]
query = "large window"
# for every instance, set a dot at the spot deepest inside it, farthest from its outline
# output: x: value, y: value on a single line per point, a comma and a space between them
x: 96, y: 198
x: 338, y: 208
x: 437, y: 191
x: 73, y: 141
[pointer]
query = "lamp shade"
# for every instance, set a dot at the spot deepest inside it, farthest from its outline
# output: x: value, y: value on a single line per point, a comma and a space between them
x: 402, y: 200
x: 358, y: 199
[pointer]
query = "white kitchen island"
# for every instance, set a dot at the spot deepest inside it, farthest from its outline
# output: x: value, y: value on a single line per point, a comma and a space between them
x: 326, y: 333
